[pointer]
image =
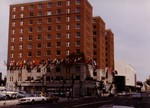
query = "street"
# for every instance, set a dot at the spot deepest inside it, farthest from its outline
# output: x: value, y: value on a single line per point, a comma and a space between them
x: 93, y: 103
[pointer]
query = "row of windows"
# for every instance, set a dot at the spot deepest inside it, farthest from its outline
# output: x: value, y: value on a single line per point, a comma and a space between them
x: 48, y: 36
x: 39, y: 53
x: 49, y: 12
x: 48, y: 45
x: 49, y: 28
x: 48, y: 5
x: 49, y: 20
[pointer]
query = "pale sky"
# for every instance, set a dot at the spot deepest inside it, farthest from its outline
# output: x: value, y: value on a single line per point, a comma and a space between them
x: 128, y: 19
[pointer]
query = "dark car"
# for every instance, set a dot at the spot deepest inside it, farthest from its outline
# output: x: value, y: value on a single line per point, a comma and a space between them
x: 51, y: 98
x: 2, y: 97
x: 136, y: 96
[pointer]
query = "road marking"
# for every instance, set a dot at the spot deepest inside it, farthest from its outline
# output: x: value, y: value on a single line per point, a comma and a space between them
x: 91, y: 103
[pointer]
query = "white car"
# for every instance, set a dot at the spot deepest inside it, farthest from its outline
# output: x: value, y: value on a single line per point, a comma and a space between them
x: 32, y: 98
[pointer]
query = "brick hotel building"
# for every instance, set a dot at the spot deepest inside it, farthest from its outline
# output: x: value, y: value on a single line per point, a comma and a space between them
x: 44, y: 34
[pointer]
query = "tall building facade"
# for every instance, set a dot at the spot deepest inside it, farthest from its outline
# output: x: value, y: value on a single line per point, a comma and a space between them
x: 109, y: 42
x: 49, y: 44
x: 99, y: 42
x: 52, y: 45
x: 50, y: 29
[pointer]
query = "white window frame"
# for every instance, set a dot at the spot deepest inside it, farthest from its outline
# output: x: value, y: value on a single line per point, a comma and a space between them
x: 22, y: 8
x: 49, y: 12
x: 68, y: 44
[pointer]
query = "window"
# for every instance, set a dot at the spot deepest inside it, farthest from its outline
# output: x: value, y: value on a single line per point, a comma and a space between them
x: 68, y: 35
x: 48, y: 36
x: 94, y: 26
x: 39, y: 6
x: 77, y: 43
x: 58, y: 44
x: 39, y: 21
x: 77, y: 51
x: 30, y: 21
x: 67, y: 44
x: 78, y: 34
x: 49, y: 20
x: 68, y: 19
x: 94, y: 53
x: 38, y: 53
x: 57, y: 77
x: 38, y: 69
x: 94, y: 32
x: 29, y: 54
x: 58, y: 19
x: 31, y: 7
x: 49, y: 13
x: 21, y: 23
x: 39, y: 14
x: 31, y: 14
x: 78, y: 26
x: 14, y: 9
x: 68, y: 2
x: 21, y: 31
x: 21, y: 38
x: 68, y: 27
x: 39, y: 29
x: 39, y: 37
x: 94, y: 39
x: 14, y: 16
x: 22, y: 8
x: 30, y: 29
x: 58, y: 27
x: 94, y: 46
x: 58, y: 35
x: 67, y: 10
x: 59, y: 3
x: 39, y: 45
x: 13, y: 31
x: 58, y: 52
x: 12, y: 55
x: 13, y: 24
x: 68, y: 52
x: 57, y: 69
x: 20, y: 47
x: 49, y: 28
x: 20, y: 55
x: 28, y: 78
x: 29, y: 46
x: 49, y: 4
x: 77, y: 9
x: 48, y: 44
x: 21, y: 15
x: 78, y: 18
x: 48, y: 53
x: 12, y: 47
x: 12, y: 39
x: 48, y: 78
x: 58, y: 11
x: 78, y: 2
x: 29, y: 37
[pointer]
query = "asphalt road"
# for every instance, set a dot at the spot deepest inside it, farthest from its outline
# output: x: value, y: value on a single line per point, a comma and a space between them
x: 94, y: 103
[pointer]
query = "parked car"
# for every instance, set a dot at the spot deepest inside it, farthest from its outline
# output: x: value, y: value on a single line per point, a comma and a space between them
x: 136, y: 96
x: 52, y: 98
x: 32, y: 98
x: 2, y: 97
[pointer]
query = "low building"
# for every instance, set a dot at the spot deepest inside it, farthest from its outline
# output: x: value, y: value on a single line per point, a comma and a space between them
x: 128, y: 71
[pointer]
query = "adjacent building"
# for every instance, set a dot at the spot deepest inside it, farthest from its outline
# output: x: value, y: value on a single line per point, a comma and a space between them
x: 128, y: 71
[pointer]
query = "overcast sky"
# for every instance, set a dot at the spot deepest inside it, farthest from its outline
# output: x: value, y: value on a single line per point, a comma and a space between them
x: 128, y: 19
